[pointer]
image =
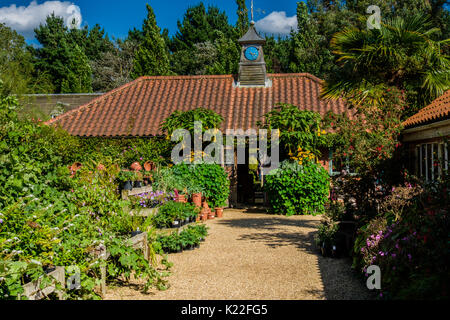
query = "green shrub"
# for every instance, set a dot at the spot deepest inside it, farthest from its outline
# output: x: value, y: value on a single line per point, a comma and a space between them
x: 214, y: 182
x: 171, y: 211
x: 210, y: 179
x: 189, y: 237
x: 296, y: 189
x: 49, y: 219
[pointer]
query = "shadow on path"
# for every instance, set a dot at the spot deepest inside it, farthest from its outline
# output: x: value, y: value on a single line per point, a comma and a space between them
x: 340, y: 282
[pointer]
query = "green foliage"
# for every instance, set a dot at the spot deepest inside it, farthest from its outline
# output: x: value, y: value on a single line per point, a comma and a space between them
x: 185, y: 120
x: 214, y: 182
x: 242, y: 24
x: 171, y: 211
x: 297, y: 128
x: 188, y: 238
x: 296, y: 189
x: 199, y: 26
x: 209, y: 179
x: 125, y: 152
x: 401, y: 54
x: 309, y: 50
x: 371, y: 136
x: 48, y: 218
x: 113, y: 67
x: 16, y: 66
x: 151, y: 58
x: 61, y: 58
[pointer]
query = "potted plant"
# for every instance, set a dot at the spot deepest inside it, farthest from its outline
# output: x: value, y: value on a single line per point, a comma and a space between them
x: 126, y: 177
x: 138, y: 179
x: 195, y: 189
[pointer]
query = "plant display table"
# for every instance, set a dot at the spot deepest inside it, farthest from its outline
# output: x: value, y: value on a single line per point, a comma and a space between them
x: 33, y: 289
x: 127, y: 193
x: 139, y: 241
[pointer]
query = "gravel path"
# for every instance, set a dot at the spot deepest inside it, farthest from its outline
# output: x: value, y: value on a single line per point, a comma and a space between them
x: 255, y: 256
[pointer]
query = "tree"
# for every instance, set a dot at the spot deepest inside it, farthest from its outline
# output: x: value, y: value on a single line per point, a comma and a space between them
x: 200, y: 26
x: 113, y: 68
x: 242, y: 24
x: 298, y: 129
x: 78, y: 80
x: 276, y: 54
x: 308, y: 49
x: 16, y: 66
x: 196, y: 61
x: 227, y: 56
x: 152, y: 57
x: 401, y: 54
x: 61, y: 58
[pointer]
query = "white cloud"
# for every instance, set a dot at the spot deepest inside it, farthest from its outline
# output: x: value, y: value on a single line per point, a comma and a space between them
x: 25, y: 19
x: 277, y: 23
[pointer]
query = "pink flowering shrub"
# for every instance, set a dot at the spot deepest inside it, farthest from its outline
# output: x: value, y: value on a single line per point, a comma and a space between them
x: 411, y: 249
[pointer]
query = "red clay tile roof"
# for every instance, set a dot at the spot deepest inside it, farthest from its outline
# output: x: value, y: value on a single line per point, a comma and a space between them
x: 139, y: 107
x: 439, y: 109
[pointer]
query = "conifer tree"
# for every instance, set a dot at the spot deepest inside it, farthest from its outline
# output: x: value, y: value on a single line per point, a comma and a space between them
x: 152, y: 57
x: 242, y: 22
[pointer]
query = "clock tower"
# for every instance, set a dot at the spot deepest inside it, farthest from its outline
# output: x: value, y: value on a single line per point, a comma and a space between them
x: 252, y: 68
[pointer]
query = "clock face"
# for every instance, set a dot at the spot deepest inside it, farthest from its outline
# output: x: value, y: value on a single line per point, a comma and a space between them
x: 251, y: 53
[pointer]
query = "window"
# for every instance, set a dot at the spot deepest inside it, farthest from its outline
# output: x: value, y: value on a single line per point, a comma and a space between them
x: 336, y: 166
x: 431, y: 160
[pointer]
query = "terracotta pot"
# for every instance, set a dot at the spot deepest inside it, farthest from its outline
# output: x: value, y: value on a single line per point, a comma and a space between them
x: 181, y: 198
x: 148, y: 166
x: 219, y: 212
x: 206, y: 208
x: 136, y: 166
x: 197, y: 199
x: 204, y: 214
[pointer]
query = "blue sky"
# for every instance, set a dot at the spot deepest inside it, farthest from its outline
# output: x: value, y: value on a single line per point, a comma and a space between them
x: 117, y: 16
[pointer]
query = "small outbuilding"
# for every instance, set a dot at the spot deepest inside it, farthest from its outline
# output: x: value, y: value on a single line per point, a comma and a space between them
x: 427, y: 136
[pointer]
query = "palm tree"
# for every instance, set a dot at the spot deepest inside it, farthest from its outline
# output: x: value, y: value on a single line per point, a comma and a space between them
x: 401, y: 54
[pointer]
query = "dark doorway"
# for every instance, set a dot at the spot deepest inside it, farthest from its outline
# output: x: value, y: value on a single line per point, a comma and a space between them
x: 245, y: 190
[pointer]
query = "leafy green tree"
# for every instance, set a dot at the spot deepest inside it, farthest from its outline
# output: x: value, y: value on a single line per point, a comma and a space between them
x: 298, y: 129
x: 276, y: 54
x: 79, y: 80
x: 227, y: 61
x: 185, y: 120
x: 62, y: 59
x: 152, y: 57
x: 113, y: 68
x: 16, y: 66
x: 199, y: 26
x: 242, y: 24
x: 195, y: 61
x: 308, y: 50
x: 401, y: 54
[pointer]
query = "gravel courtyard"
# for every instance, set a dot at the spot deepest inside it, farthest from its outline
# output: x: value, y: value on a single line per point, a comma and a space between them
x: 252, y: 255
